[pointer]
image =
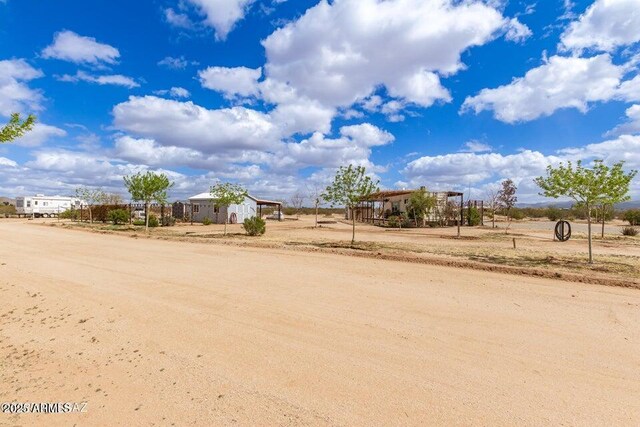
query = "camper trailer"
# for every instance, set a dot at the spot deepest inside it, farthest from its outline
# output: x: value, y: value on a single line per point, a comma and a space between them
x: 45, y: 206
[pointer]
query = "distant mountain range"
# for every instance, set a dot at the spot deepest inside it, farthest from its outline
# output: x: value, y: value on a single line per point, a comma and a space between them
x: 6, y: 199
x: 632, y: 204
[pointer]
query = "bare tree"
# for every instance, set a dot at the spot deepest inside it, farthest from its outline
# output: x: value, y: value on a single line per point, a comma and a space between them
x: 315, y: 195
x: 297, y: 200
x: 493, y: 201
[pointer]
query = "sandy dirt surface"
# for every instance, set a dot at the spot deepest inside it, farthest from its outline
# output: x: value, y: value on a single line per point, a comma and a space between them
x: 152, y: 332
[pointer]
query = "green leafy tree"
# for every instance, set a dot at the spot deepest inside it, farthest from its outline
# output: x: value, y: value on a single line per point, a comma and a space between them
x: 147, y: 187
x: 420, y: 204
x: 587, y: 186
x: 90, y: 197
x: 226, y: 194
x: 507, y: 199
x: 349, y: 187
x: 16, y: 127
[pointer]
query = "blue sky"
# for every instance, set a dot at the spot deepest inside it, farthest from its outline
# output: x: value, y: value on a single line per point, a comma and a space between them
x: 276, y: 94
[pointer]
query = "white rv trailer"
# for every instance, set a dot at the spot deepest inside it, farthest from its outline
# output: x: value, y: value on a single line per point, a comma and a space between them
x: 45, y: 206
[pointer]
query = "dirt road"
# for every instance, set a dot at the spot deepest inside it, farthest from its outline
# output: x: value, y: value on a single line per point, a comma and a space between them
x: 155, y: 332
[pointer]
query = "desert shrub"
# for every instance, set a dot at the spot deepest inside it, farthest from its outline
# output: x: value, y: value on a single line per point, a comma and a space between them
x: 554, y: 213
x: 516, y: 214
x: 632, y: 216
x: 398, y: 221
x: 206, y: 221
x: 630, y: 231
x: 139, y: 222
x: 254, y: 226
x: 153, y: 221
x: 118, y: 216
x: 474, y: 217
x: 168, y: 221
x: 70, y: 214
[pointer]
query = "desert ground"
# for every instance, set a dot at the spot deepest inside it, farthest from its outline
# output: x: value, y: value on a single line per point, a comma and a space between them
x: 172, y: 331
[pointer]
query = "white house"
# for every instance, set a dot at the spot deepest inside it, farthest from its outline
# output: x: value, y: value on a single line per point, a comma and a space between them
x: 203, y: 206
x: 45, y: 206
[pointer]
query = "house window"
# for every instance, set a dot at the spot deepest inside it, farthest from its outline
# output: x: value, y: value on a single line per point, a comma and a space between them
x: 196, y: 208
x: 395, y: 207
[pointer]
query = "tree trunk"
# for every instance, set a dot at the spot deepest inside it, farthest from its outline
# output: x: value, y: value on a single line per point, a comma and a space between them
x: 589, y: 233
x: 146, y: 216
x: 316, y: 213
x: 90, y: 215
x: 226, y: 218
x: 604, y: 212
x: 353, y: 231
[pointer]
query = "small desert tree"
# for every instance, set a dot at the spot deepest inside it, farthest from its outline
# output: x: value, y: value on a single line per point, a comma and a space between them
x: 297, y: 200
x: 420, y: 203
x: 315, y: 194
x: 148, y: 187
x: 16, y: 127
x: 349, y: 187
x: 507, y: 199
x: 226, y: 194
x: 493, y: 202
x: 90, y: 196
x: 587, y: 186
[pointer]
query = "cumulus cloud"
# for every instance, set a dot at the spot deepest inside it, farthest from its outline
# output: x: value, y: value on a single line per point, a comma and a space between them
x: 40, y: 134
x: 605, y: 26
x: 238, y: 81
x: 630, y: 90
x: 222, y: 15
x: 175, y: 123
x: 338, y: 53
x: 480, y: 170
x: 475, y: 146
x: 352, y: 147
x: 69, y: 46
x: 561, y: 82
x: 15, y: 94
x: 109, y: 79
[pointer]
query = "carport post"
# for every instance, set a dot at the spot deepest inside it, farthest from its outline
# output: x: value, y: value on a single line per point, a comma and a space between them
x: 280, y: 212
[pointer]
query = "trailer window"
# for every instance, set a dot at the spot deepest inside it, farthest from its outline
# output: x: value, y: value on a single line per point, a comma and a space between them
x: 28, y: 203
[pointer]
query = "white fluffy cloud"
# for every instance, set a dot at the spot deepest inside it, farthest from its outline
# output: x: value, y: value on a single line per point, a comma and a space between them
x: 460, y: 170
x: 605, y: 25
x: 69, y: 46
x: 338, y: 53
x: 561, y: 82
x: 222, y: 15
x: 238, y: 81
x: 352, y: 147
x: 15, y: 95
x: 40, y: 134
x: 185, y: 124
x: 630, y: 90
x: 107, y: 79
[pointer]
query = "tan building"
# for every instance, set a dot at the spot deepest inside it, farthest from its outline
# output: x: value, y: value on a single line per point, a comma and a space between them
x: 378, y: 207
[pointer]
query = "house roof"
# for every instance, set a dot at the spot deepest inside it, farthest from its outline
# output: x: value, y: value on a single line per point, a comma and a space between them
x: 207, y: 197
x: 379, y: 195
